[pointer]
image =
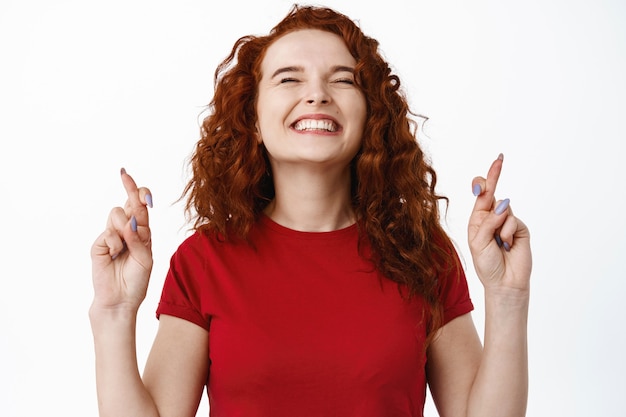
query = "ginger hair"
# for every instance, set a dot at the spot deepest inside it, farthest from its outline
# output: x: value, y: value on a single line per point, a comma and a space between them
x: 393, y: 183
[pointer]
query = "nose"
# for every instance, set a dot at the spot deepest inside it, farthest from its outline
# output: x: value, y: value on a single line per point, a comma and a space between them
x: 317, y: 94
x: 318, y: 100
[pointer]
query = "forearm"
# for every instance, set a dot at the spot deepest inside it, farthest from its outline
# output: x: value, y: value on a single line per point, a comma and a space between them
x: 501, y: 384
x: 121, y: 391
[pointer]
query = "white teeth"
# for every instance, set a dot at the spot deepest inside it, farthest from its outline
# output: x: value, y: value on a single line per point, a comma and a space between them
x: 311, y: 124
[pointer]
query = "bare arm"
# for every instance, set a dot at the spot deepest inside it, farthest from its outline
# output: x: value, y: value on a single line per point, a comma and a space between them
x: 175, y: 373
x: 465, y: 379
x: 121, y: 391
x: 177, y: 368
x: 121, y: 266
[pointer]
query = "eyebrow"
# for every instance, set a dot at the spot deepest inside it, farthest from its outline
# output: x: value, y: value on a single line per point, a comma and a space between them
x: 335, y: 69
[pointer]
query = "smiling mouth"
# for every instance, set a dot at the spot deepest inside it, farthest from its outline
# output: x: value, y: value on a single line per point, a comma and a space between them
x: 308, y: 125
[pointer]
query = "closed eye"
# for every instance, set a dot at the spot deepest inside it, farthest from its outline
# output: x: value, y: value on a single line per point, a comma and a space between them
x: 288, y: 80
x: 345, y: 81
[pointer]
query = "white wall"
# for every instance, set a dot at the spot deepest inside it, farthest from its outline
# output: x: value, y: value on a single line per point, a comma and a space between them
x: 89, y: 87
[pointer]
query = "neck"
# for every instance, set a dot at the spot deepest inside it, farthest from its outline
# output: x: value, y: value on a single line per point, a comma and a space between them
x: 312, y: 200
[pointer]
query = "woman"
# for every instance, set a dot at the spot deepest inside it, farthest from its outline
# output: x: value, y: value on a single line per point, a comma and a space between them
x: 319, y: 280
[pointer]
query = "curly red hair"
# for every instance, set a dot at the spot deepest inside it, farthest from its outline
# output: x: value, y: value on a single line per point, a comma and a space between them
x: 393, y: 184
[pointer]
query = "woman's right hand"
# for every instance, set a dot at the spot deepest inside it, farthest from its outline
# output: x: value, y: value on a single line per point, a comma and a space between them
x: 122, y: 255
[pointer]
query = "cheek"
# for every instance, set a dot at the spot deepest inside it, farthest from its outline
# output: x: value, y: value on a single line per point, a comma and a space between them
x: 262, y: 110
x: 271, y: 111
x: 263, y: 121
x: 361, y: 115
x: 360, y: 104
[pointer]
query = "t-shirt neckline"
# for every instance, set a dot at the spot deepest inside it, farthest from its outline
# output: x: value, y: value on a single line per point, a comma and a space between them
x: 266, y: 222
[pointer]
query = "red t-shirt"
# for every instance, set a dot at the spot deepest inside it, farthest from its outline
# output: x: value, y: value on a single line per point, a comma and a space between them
x: 301, y: 325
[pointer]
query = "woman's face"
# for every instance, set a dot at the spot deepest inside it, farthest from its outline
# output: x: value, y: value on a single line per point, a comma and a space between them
x: 309, y: 109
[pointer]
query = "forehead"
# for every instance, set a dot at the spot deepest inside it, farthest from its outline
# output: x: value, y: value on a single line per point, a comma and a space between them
x: 310, y: 46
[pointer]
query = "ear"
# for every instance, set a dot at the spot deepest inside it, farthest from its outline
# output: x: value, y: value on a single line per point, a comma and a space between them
x: 259, y: 138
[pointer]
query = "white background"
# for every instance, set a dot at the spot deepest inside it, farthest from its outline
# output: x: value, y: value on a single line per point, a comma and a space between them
x: 88, y: 87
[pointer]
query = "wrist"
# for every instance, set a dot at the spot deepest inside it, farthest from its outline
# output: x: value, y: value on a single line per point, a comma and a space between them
x: 102, y: 316
x: 506, y: 316
x: 507, y: 298
x: 506, y: 308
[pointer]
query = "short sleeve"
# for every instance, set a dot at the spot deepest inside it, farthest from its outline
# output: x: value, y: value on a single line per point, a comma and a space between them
x: 182, y: 290
x: 455, y: 296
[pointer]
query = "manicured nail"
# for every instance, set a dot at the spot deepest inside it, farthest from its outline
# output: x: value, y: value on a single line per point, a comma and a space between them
x: 476, y: 190
x: 122, y: 171
x: 498, y: 240
x: 149, y: 200
x: 504, y: 204
x: 133, y: 224
x: 506, y: 246
x: 501, y: 157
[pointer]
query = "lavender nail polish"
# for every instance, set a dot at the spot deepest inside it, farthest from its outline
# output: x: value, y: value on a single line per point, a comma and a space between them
x: 149, y: 200
x: 476, y: 190
x: 498, y: 240
x: 133, y: 224
x: 504, y: 204
x: 506, y: 246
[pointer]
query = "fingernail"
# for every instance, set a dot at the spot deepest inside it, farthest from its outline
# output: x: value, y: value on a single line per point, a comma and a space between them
x: 133, y: 224
x: 504, y: 204
x: 122, y: 171
x: 498, y: 240
x: 501, y: 157
x: 476, y: 190
x: 506, y: 246
x: 149, y: 200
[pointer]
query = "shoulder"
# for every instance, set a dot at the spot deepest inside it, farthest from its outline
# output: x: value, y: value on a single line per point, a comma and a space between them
x: 193, y: 242
x: 204, y: 248
x: 452, y: 283
x: 193, y: 252
x: 199, y: 243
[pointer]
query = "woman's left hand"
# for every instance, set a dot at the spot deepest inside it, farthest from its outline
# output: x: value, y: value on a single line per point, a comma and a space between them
x: 499, y: 242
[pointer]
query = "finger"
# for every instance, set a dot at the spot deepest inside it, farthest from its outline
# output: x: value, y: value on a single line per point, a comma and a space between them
x: 106, y: 246
x: 485, y: 199
x: 137, y: 247
x: 140, y: 211
x: 138, y: 199
x: 145, y: 196
x: 114, y: 241
x: 507, y: 232
x: 131, y: 188
x: 110, y: 243
x: 113, y: 234
x: 478, y: 185
x: 490, y: 229
x: 513, y: 231
x: 118, y: 221
x: 122, y: 234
